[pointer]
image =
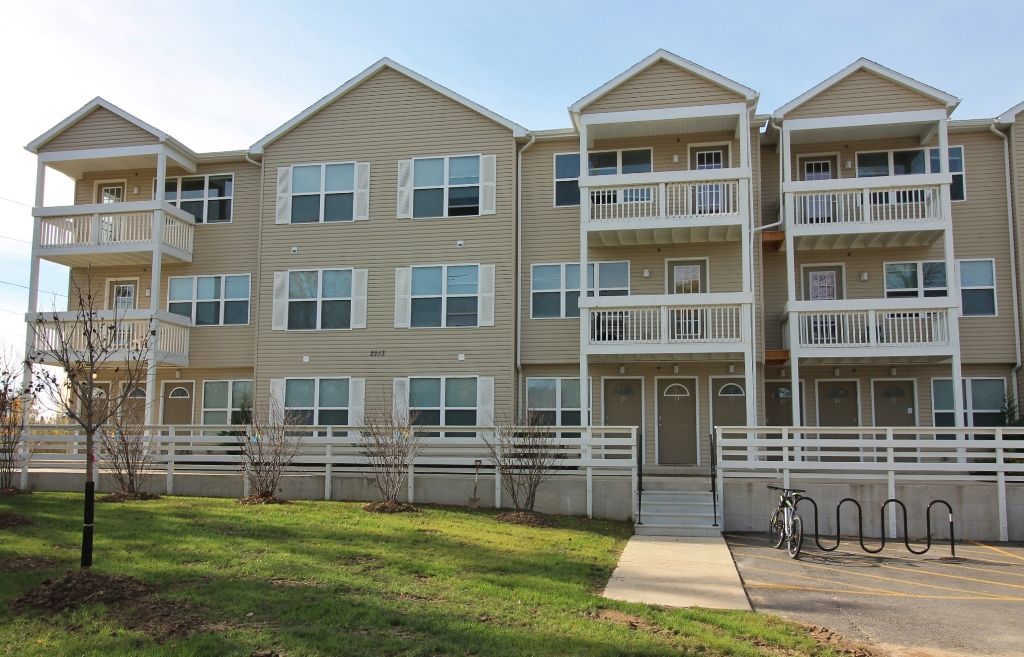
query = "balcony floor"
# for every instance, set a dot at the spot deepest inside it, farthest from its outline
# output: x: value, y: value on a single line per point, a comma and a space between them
x: 627, y: 233
x: 830, y: 237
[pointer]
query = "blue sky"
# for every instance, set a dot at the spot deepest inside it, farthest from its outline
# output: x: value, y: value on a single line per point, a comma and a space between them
x: 219, y: 75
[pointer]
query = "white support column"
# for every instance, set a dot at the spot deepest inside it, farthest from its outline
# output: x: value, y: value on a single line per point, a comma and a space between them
x: 787, y: 160
x: 33, y: 275
x: 952, y: 274
x: 585, y: 394
x: 154, y: 288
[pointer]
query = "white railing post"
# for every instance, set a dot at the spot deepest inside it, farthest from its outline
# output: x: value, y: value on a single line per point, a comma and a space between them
x: 666, y: 333
x: 170, y: 460
x: 95, y: 229
x: 26, y: 456
x: 328, y: 464
x: 872, y: 327
x: 785, y: 456
x: 891, y: 480
x: 865, y: 205
x: 497, y: 471
x: 587, y: 454
x: 410, y: 479
x: 662, y: 200
x: 1004, y: 529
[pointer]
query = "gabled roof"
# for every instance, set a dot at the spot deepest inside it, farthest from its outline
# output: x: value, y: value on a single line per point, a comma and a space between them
x: 658, y: 56
x: 863, y: 63
x: 257, y: 148
x: 1010, y: 115
x: 85, y: 111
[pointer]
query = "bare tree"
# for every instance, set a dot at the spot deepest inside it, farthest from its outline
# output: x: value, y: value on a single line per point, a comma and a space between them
x: 88, y: 343
x: 15, y: 407
x: 389, y: 444
x: 127, y: 451
x: 268, y: 444
x: 524, y: 453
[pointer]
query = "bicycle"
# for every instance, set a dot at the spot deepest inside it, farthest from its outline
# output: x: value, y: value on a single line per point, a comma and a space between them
x: 785, y: 525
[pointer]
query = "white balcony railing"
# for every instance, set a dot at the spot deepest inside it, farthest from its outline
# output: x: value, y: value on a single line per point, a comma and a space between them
x: 665, y: 320
x: 852, y: 201
x: 870, y: 323
x: 120, y: 224
x: 131, y: 332
x: 682, y: 195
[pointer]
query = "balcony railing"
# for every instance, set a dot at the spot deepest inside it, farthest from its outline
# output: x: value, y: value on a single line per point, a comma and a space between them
x: 862, y: 201
x: 119, y: 224
x: 131, y: 332
x: 681, y: 195
x: 705, y: 319
x: 871, y: 323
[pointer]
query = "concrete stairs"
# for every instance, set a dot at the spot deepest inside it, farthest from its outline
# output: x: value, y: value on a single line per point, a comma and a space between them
x: 677, y: 506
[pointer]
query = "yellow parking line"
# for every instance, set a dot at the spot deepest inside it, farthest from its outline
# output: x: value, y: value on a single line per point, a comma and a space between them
x: 890, y: 594
x: 894, y: 552
x: 883, y: 578
x: 999, y: 550
x: 818, y: 579
x: 969, y: 579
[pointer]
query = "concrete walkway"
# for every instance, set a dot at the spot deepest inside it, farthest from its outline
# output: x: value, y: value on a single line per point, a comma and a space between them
x: 678, y: 572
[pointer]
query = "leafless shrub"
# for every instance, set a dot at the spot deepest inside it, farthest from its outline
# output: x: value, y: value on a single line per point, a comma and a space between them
x: 523, y: 451
x: 127, y: 451
x: 390, y: 444
x: 15, y: 401
x: 268, y: 444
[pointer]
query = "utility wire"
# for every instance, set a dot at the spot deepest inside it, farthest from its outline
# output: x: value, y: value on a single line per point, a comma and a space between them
x: 15, y: 239
x: 11, y: 200
x: 25, y: 287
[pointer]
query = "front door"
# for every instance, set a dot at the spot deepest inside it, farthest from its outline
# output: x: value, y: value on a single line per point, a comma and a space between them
x: 817, y: 208
x: 177, y: 402
x: 712, y: 198
x: 728, y: 403
x: 122, y: 295
x: 894, y: 403
x: 838, y: 406
x: 778, y: 404
x: 623, y: 403
x: 677, y: 421
x: 687, y: 277
x: 133, y: 409
x: 110, y: 193
x: 823, y: 283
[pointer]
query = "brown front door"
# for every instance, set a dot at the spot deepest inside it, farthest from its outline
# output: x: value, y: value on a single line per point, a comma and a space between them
x: 778, y: 403
x: 838, y: 403
x: 677, y: 421
x: 177, y: 402
x: 894, y: 403
x: 134, y: 407
x: 728, y: 403
x: 623, y: 403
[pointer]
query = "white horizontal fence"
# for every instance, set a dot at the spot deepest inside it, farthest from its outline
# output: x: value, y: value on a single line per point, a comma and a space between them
x: 856, y: 328
x: 909, y: 454
x: 666, y: 324
x: 670, y: 200
x: 337, y: 450
x: 867, y: 204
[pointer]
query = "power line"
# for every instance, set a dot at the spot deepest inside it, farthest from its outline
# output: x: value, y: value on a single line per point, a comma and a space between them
x: 11, y: 200
x: 15, y: 239
x: 25, y: 287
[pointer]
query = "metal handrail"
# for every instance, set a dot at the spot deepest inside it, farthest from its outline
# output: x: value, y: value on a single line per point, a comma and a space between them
x: 714, y: 477
x: 639, y: 477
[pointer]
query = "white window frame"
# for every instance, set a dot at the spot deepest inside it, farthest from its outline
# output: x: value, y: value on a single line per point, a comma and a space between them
x: 591, y: 290
x: 556, y: 179
x: 222, y: 300
x: 927, y: 163
x: 968, y: 399
x: 319, y: 298
x: 323, y: 192
x: 206, y: 195
x: 618, y: 158
x: 962, y: 287
x: 445, y: 185
x: 443, y: 408
x: 920, y: 278
x: 316, y: 408
x: 231, y: 407
x: 962, y: 173
x: 559, y: 406
x: 444, y: 294
x: 562, y: 291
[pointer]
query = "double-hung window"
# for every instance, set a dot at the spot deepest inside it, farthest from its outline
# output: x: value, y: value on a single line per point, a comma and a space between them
x: 608, y: 279
x: 446, y: 186
x: 553, y: 401
x: 323, y: 192
x: 208, y: 198
x: 911, y: 162
x: 958, y: 188
x: 555, y: 288
x: 445, y: 296
x: 210, y: 300
x: 448, y: 401
x: 915, y: 279
x: 227, y: 402
x: 607, y: 163
x: 567, y: 178
x: 317, y: 401
x: 977, y: 288
x: 320, y: 299
x: 984, y: 402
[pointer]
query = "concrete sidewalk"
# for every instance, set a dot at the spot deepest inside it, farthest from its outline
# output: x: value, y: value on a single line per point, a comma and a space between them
x: 678, y: 572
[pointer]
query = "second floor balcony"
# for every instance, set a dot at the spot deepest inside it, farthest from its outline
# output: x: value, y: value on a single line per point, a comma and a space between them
x: 130, y: 333
x: 113, y: 233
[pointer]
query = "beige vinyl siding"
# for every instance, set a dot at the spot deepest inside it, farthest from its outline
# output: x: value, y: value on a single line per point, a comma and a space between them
x: 768, y: 159
x: 388, y: 118
x: 863, y: 92
x: 663, y: 85
x: 100, y: 128
x: 773, y: 281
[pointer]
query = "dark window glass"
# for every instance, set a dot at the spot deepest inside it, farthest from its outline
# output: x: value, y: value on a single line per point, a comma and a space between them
x: 236, y: 312
x: 547, y: 304
x: 572, y: 304
x: 302, y: 314
x: 567, y: 165
x: 194, y: 208
x: 193, y: 187
x: 336, y: 314
x: 426, y: 417
x: 426, y: 312
x: 979, y: 302
x: 305, y: 209
x: 638, y: 161
x: 872, y: 164
x: 908, y: 162
x: 462, y: 311
x: 604, y: 164
x: 465, y: 418
x: 220, y: 186
x: 333, y: 417
x: 567, y: 192
x: 338, y: 207
x: 219, y: 211
x: 183, y: 309
x: 207, y: 313
x: 463, y: 201
x: 428, y: 203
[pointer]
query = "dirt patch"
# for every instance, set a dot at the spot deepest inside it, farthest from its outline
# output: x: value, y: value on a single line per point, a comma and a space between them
x: 13, y: 490
x: 528, y: 518
x: 9, y: 519
x: 389, y: 507
x: 631, y: 621
x: 844, y: 646
x: 122, y: 496
x: 128, y: 600
x: 262, y: 499
x: 17, y: 564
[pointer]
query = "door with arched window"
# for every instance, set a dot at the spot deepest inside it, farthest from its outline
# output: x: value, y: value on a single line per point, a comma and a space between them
x: 677, y: 421
x: 177, y: 402
x: 728, y: 402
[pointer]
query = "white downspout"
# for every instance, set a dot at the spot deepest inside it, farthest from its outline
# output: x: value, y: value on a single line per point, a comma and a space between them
x: 519, y: 257
x: 1013, y: 253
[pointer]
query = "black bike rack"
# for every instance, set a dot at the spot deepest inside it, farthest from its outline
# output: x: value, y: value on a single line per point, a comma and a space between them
x: 860, y: 525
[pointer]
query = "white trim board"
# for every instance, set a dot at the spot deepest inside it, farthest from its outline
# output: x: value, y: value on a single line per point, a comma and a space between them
x: 259, y: 146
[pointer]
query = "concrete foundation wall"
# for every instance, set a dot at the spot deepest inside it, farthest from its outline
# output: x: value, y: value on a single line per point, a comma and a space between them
x: 748, y: 506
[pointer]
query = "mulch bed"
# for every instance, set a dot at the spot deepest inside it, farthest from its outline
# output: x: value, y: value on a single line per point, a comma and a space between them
x: 18, y: 564
x: 528, y: 518
x: 839, y: 643
x: 122, y: 496
x: 259, y: 499
x: 389, y: 507
x: 128, y: 600
x: 13, y: 490
x: 10, y: 519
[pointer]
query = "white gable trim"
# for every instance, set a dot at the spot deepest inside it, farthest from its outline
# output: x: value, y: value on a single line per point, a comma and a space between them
x: 652, y: 59
x: 257, y: 148
x: 1010, y: 115
x: 87, y: 109
x: 949, y: 100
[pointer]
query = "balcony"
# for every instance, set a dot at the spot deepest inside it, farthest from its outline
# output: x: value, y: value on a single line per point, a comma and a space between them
x: 674, y: 325
x: 847, y: 213
x: 113, y: 233
x: 131, y: 333
x: 913, y: 330
x: 667, y: 207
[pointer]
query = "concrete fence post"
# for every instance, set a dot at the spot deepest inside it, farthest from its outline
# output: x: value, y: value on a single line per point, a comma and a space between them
x: 891, y: 487
x: 26, y: 456
x: 410, y: 480
x: 1004, y: 529
x: 170, y: 460
x: 328, y: 465
x: 497, y: 476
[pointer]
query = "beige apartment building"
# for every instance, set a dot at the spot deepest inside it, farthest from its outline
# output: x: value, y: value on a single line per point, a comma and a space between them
x: 822, y: 265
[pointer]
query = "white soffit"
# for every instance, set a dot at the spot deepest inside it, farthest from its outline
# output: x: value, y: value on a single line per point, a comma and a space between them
x: 664, y: 127
x: 862, y: 133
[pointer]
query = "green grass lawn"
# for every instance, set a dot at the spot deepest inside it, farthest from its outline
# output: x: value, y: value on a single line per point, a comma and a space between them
x: 327, y: 578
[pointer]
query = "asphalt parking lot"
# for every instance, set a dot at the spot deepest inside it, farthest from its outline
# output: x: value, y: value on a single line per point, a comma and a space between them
x: 933, y: 604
